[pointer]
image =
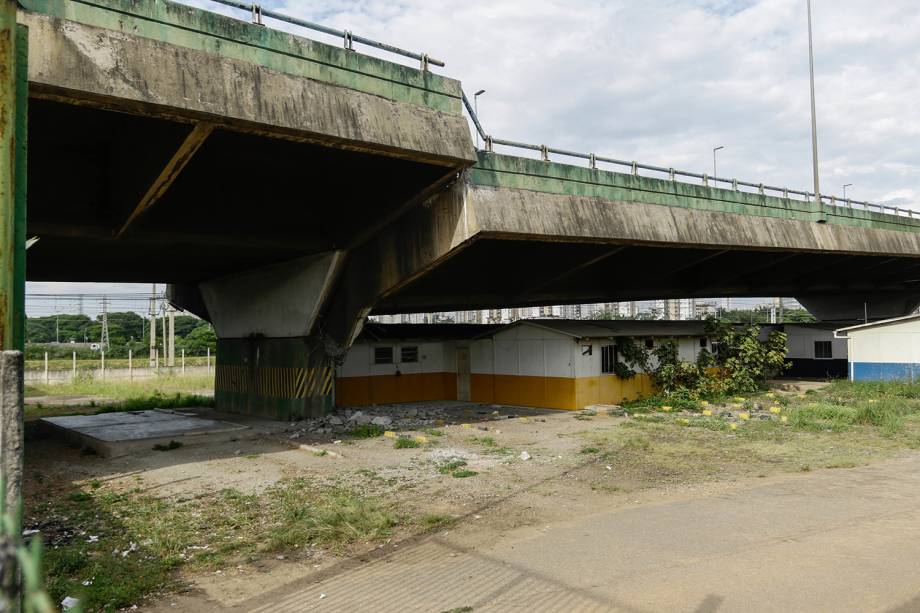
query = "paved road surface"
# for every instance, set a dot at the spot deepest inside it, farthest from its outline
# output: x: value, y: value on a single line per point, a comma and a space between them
x: 835, y: 540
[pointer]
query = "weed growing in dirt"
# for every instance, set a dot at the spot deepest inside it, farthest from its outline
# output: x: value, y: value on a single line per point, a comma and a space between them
x: 434, y: 432
x: 366, y: 431
x: 485, y: 441
x: 109, y: 549
x: 463, y: 473
x: 406, y: 443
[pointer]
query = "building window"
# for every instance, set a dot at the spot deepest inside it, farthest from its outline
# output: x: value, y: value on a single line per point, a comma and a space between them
x: 587, y: 349
x: 608, y: 359
x: 408, y: 354
x: 703, y: 342
x: 383, y: 355
x: 823, y: 350
x: 649, y: 343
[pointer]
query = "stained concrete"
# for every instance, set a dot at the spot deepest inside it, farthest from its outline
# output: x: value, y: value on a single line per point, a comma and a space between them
x: 122, y: 433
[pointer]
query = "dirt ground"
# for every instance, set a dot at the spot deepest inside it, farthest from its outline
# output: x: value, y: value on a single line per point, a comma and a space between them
x: 532, y: 469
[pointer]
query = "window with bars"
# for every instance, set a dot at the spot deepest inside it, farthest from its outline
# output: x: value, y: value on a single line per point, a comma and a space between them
x: 608, y: 359
x: 408, y: 354
x: 823, y: 350
x: 383, y: 355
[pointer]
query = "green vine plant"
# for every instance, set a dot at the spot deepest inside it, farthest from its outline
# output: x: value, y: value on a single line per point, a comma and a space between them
x: 632, y: 357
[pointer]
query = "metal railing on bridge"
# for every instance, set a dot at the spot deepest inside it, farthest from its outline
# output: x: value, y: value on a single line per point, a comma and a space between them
x: 348, y: 38
x: 673, y: 173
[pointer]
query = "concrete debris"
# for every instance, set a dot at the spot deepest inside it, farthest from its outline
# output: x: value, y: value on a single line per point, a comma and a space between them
x: 69, y: 603
x: 525, y: 456
x: 393, y: 418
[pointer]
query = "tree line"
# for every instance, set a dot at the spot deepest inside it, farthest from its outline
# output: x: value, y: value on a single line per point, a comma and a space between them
x: 127, y: 331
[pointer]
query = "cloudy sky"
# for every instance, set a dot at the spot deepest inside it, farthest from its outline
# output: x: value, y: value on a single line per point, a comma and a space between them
x: 665, y: 81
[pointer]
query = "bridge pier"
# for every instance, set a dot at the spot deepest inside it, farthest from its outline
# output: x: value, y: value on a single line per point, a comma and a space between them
x: 272, y: 358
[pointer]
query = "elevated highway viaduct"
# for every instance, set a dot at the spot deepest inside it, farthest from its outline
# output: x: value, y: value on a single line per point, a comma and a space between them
x: 287, y: 188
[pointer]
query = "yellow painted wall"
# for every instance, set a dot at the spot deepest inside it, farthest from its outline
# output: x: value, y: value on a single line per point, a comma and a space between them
x: 389, y: 389
x: 610, y: 389
x: 558, y: 392
x: 541, y: 392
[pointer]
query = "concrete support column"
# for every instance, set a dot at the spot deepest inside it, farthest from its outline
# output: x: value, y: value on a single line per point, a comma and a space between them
x: 272, y: 357
x: 280, y: 378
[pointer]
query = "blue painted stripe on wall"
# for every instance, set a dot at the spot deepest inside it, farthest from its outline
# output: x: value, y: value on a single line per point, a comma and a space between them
x: 880, y: 371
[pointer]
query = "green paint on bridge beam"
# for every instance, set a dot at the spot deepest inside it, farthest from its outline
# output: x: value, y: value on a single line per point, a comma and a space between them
x: 185, y: 26
x: 505, y: 171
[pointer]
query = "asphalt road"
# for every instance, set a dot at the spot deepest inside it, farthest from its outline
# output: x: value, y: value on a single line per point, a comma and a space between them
x: 834, y: 540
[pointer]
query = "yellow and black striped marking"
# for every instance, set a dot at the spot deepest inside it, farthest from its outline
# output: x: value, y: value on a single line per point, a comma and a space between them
x: 275, y: 382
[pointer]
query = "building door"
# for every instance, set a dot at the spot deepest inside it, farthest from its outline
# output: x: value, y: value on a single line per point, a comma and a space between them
x: 463, y: 373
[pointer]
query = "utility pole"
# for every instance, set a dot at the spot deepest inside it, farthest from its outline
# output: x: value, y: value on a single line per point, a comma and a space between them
x: 153, y: 325
x: 714, y: 170
x: 814, y: 121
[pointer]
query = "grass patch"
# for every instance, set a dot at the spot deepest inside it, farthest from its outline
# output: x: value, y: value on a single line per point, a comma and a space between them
x: 455, y: 468
x: 434, y: 432
x: 142, y: 540
x: 366, y: 431
x: 463, y: 473
x: 589, y: 450
x: 435, y: 521
x: 485, y: 441
x: 406, y: 443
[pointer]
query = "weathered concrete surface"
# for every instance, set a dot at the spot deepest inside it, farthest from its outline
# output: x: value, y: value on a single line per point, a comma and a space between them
x: 282, y: 300
x: 520, y: 214
x: 121, y: 433
x: 523, y: 247
x: 11, y: 428
x: 414, y: 244
x: 836, y: 540
x: 196, y: 76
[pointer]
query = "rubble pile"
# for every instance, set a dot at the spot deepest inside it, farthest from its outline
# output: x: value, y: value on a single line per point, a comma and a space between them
x: 389, y: 417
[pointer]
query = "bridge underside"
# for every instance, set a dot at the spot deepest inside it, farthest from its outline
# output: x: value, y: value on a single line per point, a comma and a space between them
x: 242, y: 201
x: 498, y: 272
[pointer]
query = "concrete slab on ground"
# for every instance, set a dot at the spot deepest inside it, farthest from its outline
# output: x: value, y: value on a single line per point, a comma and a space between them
x: 121, y: 433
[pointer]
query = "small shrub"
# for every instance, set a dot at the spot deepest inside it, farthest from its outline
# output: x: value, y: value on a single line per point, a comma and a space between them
x: 367, y: 431
x: 406, y: 443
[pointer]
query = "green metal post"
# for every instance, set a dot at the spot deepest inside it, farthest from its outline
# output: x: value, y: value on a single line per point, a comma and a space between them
x: 21, y: 181
x: 9, y: 119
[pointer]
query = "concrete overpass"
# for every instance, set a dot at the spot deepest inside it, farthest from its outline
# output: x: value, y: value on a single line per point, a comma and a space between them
x: 287, y: 188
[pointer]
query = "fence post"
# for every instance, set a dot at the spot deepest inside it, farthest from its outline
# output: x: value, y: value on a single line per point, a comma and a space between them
x: 73, y: 376
x: 183, y: 360
x: 102, y: 354
x: 130, y: 367
x: 47, y: 379
x: 158, y: 360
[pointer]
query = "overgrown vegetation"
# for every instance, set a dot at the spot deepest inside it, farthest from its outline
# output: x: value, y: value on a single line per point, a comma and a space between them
x: 742, y: 364
x: 112, y: 548
x: 366, y: 431
x: 845, y: 424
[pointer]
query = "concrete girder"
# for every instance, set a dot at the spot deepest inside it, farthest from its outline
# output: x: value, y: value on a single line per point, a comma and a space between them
x: 855, y: 306
x: 170, y: 172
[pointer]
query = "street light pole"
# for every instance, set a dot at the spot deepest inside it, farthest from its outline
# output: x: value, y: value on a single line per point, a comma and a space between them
x: 476, y: 110
x: 714, y: 173
x: 845, y: 190
x: 814, y: 121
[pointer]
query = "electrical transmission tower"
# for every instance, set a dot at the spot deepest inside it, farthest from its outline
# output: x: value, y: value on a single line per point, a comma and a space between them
x: 104, y: 341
